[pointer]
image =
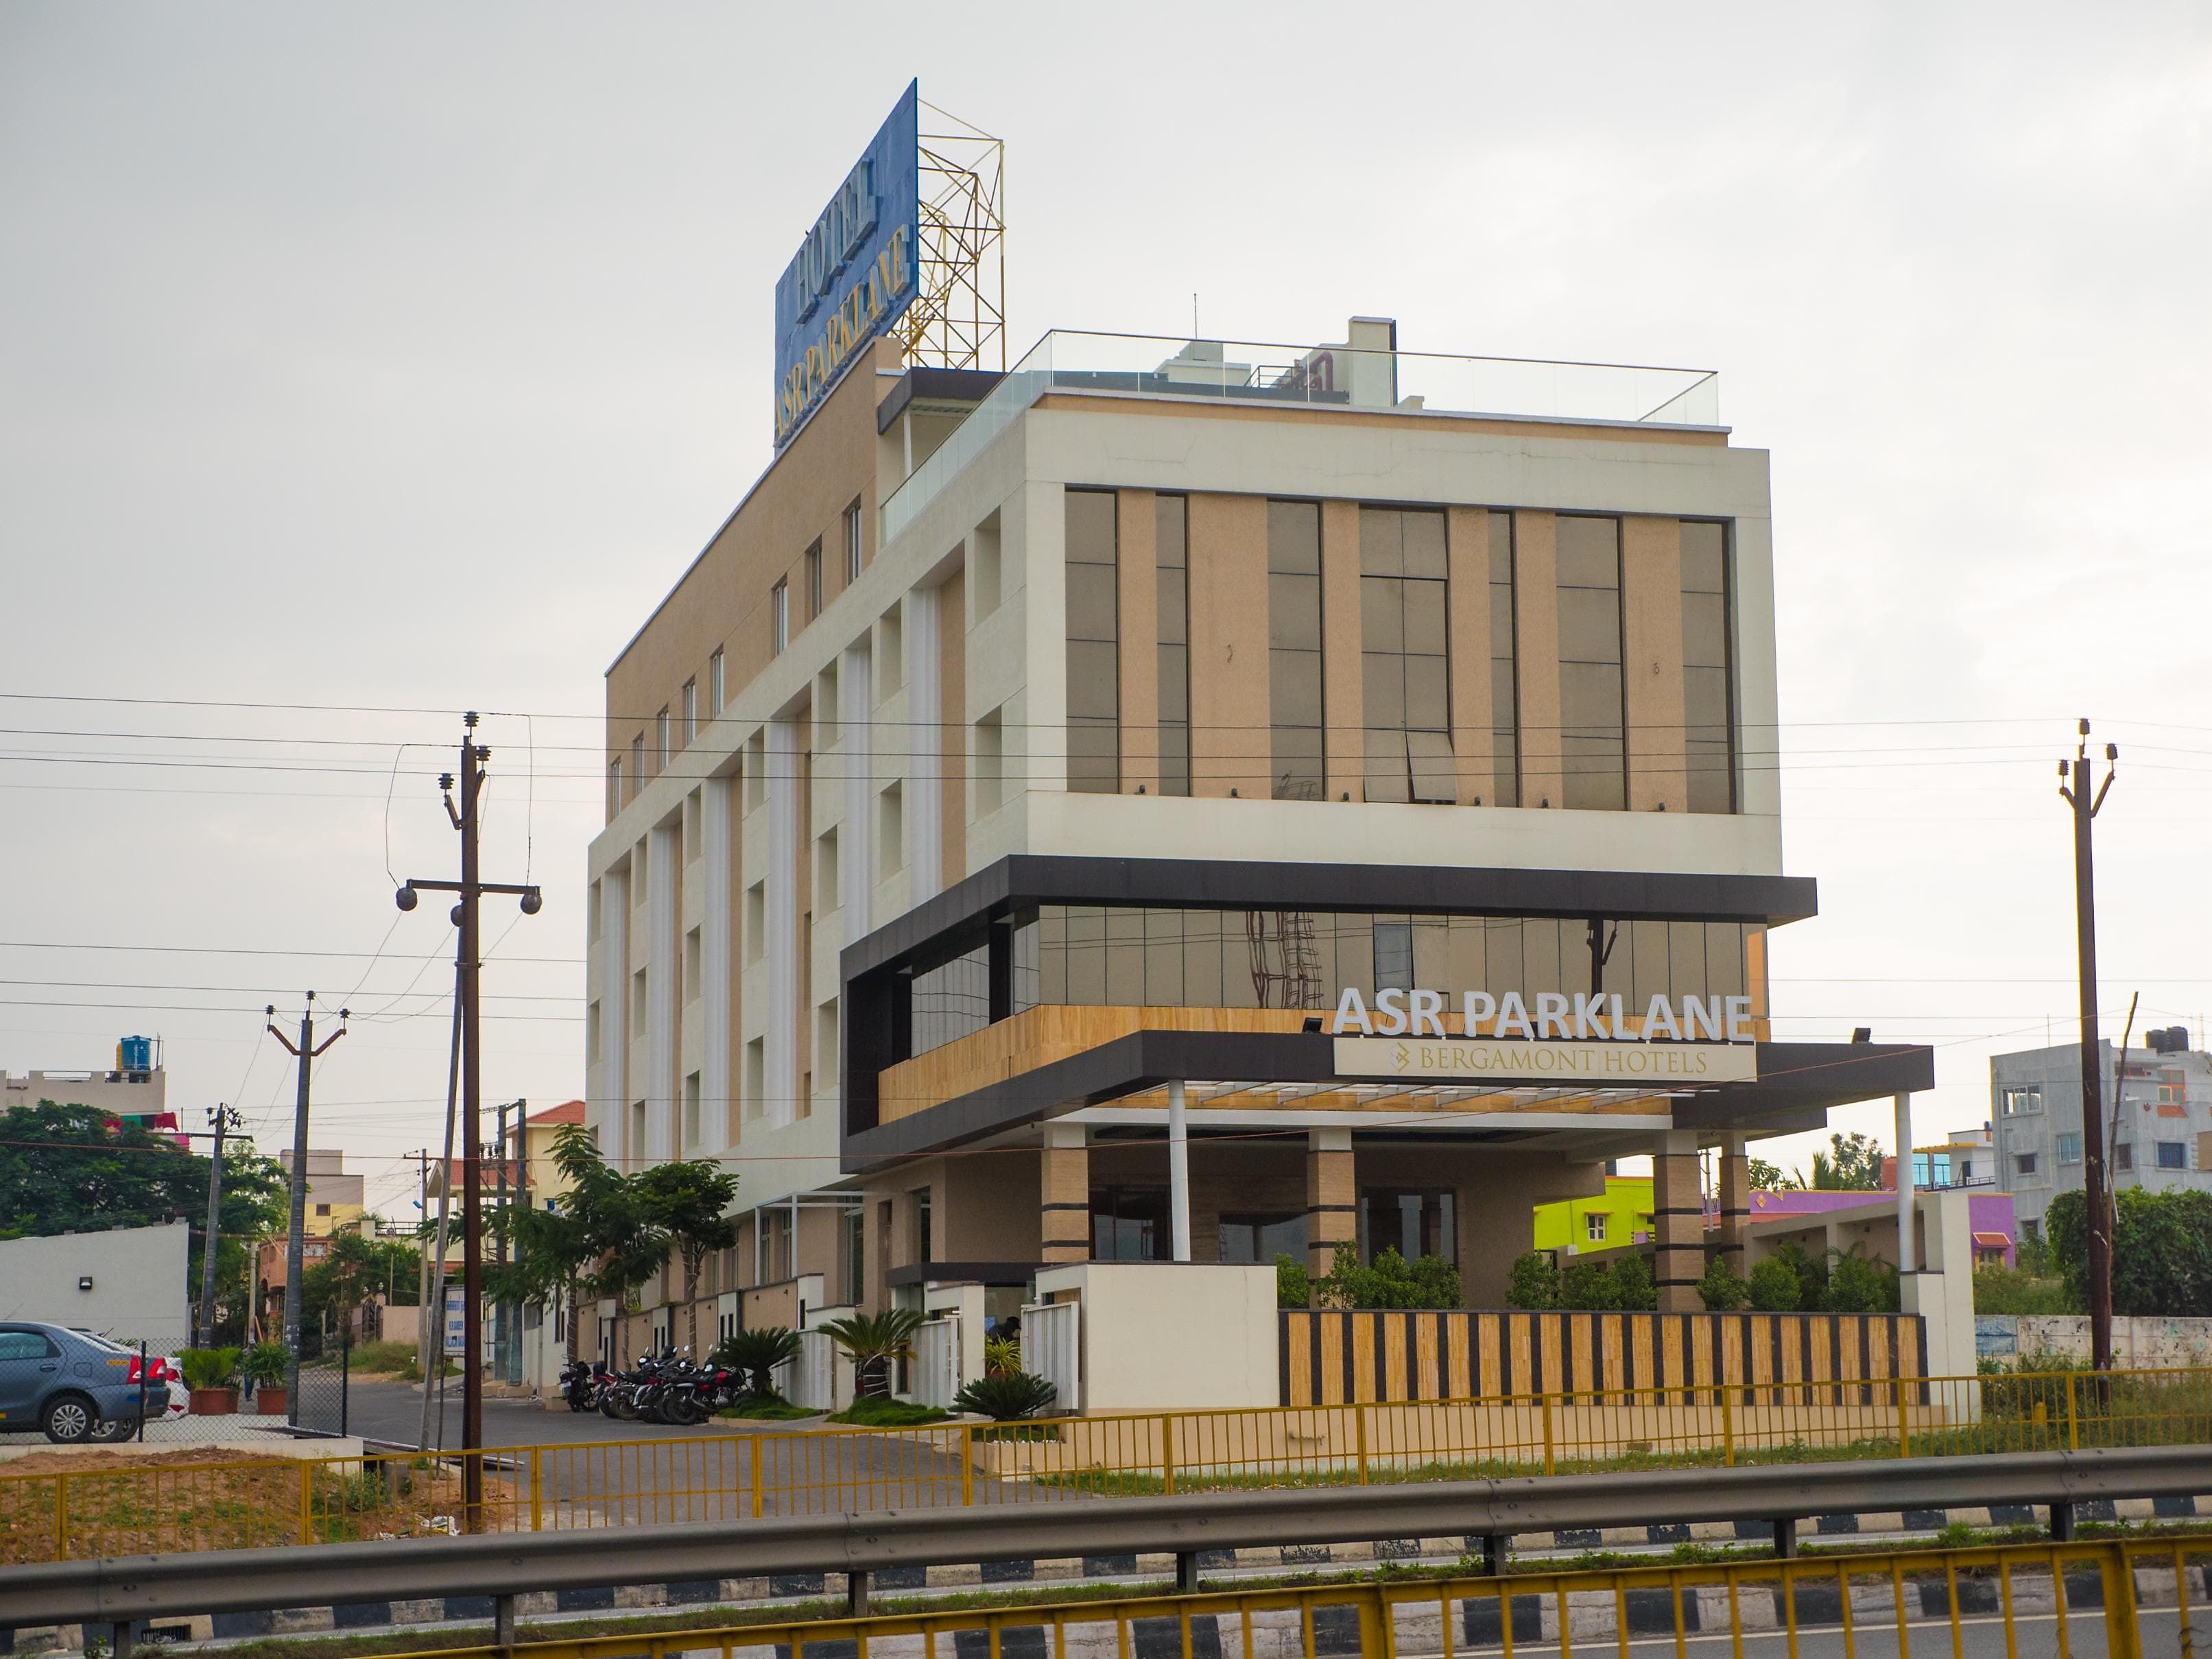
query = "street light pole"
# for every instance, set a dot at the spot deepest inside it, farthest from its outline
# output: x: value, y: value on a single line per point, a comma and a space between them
x: 2095, y: 1178
x: 296, y: 1248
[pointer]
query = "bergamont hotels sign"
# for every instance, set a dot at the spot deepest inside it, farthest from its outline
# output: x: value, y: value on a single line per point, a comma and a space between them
x: 1587, y: 1037
x: 856, y: 270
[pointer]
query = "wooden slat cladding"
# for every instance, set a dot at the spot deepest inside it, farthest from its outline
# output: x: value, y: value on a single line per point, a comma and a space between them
x: 1333, y: 1358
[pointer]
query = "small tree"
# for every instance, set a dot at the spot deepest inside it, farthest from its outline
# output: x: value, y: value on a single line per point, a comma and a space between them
x: 1634, y: 1288
x: 1389, y: 1281
x: 1535, y: 1282
x: 1293, y: 1283
x: 1589, y: 1285
x: 872, y: 1341
x: 1772, y: 1178
x: 1853, y: 1165
x: 1857, y: 1284
x: 757, y: 1353
x: 1723, y: 1290
x: 1773, y: 1286
x: 597, y: 1240
x: 687, y: 1202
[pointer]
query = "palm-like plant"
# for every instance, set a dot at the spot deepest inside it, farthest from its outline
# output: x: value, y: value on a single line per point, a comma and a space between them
x: 1003, y: 1399
x: 872, y: 1341
x: 757, y: 1353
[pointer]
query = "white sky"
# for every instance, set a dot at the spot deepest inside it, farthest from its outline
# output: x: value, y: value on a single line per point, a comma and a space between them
x: 398, y: 358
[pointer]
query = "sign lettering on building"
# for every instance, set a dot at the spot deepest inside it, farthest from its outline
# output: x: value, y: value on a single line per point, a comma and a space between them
x: 1594, y: 1064
x: 1585, y: 1037
x: 855, y: 273
x: 1582, y: 1016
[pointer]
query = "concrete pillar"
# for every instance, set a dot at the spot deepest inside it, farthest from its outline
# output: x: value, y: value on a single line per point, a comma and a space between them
x: 1178, y: 1173
x: 1066, y: 1192
x: 1905, y: 1250
x: 1332, y: 1198
x: 1678, y: 1217
x: 1735, y: 1200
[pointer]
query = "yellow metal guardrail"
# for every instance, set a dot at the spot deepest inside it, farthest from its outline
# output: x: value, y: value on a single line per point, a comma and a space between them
x: 747, y: 1471
x: 2111, y: 1597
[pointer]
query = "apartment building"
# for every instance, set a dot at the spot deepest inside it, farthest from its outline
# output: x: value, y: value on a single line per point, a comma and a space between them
x: 1183, y: 800
x: 2158, y: 1107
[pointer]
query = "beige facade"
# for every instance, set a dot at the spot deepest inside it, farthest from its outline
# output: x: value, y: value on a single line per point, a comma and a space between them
x: 845, y: 786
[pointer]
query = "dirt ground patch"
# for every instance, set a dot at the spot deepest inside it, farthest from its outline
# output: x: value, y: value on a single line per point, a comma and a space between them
x: 104, y: 1460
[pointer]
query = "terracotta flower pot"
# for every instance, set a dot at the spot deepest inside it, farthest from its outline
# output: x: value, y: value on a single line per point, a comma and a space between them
x: 214, y: 1402
x: 269, y: 1401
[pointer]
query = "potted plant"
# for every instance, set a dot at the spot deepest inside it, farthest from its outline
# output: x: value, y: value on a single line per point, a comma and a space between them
x: 268, y: 1364
x: 211, y: 1380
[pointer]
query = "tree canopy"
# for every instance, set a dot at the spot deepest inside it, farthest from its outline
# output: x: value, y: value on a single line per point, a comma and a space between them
x: 2161, y: 1250
x: 76, y: 1169
x: 1853, y: 1165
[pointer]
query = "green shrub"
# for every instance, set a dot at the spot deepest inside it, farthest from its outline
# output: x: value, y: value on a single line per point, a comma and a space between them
x: 1857, y: 1284
x: 2009, y: 1290
x: 1634, y: 1288
x: 209, y: 1368
x: 1723, y: 1290
x: 2161, y: 1250
x: 1587, y: 1284
x: 756, y: 1353
x: 1002, y: 1356
x: 1812, y: 1275
x: 384, y: 1356
x: 881, y: 1412
x: 1293, y: 1283
x: 766, y: 1408
x: 1390, y: 1281
x: 1002, y: 1399
x: 1773, y: 1286
x: 1535, y: 1282
x: 269, y: 1363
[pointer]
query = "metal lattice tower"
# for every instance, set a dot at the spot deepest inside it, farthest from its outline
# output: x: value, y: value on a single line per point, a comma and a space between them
x: 958, y: 318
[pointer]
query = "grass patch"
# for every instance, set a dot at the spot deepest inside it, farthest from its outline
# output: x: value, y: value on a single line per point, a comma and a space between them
x: 383, y: 1357
x: 875, y: 1411
x: 766, y: 1408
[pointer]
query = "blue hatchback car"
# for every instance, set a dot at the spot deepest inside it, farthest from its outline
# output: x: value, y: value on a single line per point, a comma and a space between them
x: 71, y: 1384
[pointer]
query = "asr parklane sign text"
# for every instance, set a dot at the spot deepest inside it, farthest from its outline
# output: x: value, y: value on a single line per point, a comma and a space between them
x: 1583, y: 1038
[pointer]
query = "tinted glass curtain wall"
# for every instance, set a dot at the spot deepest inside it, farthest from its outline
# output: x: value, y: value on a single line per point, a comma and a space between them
x: 1708, y: 707
x: 1405, y: 682
x: 1592, y: 709
x: 1294, y: 664
x: 1172, y: 580
x: 1094, y: 686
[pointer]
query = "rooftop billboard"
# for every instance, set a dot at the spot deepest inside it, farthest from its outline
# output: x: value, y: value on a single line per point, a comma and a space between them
x: 855, y: 273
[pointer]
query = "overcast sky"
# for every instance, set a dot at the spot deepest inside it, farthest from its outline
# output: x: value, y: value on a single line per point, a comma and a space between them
x: 364, y: 364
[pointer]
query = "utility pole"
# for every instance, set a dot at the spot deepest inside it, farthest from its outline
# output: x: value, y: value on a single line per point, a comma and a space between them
x: 423, y: 1324
x: 222, y: 1118
x: 2077, y: 796
x: 468, y: 964
x: 294, y: 1265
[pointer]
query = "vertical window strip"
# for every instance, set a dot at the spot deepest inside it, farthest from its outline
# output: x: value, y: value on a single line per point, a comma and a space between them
x: 779, y: 616
x: 1708, y: 689
x: 1094, y: 717
x: 1592, y: 706
x: 1405, y: 690
x: 853, y: 543
x: 1172, y: 573
x: 1294, y: 659
x: 1504, y: 678
x: 814, y: 582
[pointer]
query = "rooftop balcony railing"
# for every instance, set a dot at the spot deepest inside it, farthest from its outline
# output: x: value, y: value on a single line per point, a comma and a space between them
x: 1339, y: 376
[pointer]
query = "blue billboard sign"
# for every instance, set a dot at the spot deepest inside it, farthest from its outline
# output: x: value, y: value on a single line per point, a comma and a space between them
x: 854, y: 274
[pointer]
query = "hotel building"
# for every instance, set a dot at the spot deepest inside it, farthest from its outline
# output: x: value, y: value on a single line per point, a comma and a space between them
x: 1003, y: 803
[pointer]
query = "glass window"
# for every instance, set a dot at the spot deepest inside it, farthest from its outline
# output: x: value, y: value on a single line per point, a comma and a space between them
x: 853, y: 555
x: 716, y: 691
x: 1172, y: 580
x: 1593, y: 1227
x: 922, y: 1242
x: 2070, y: 1149
x: 951, y: 1001
x: 661, y: 746
x: 1404, y: 660
x: 1707, y: 700
x: 1094, y: 717
x: 779, y: 601
x: 691, y: 711
x: 2173, y: 1155
x: 636, y: 764
x: 614, y: 786
x: 1505, y: 680
x: 2123, y: 1155
x: 813, y: 568
x: 856, y: 1257
x: 1128, y: 1223
x: 1294, y: 667
x: 1413, y: 1223
x: 1263, y: 1238
x: 2025, y: 1164
x: 24, y: 1345
x: 1593, y: 722
x: 2017, y: 1101
x: 1393, y: 955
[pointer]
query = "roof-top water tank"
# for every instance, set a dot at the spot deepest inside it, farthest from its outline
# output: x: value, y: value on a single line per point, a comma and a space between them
x: 134, y: 1054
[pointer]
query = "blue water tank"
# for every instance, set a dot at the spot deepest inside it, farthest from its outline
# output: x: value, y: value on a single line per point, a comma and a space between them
x: 135, y: 1053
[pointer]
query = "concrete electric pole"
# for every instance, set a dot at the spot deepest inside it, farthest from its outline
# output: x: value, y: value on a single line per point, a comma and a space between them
x: 468, y: 965
x: 294, y: 1254
x: 2076, y: 795
x: 222, y: 1119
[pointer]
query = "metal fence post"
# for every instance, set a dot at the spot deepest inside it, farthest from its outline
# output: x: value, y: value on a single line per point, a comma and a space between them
x: 1903, y: 1431
x: 1167, y: 1453
x: 306, y: 1487
x: 61, y: 1517
x: 968, y: 1465
x: 142, y: 1391
x: 1359, y: 1437
x: 537, y: 1489
x: 345, y: 1375
x: 1546, y: 1401
x: 760, y: 1478
x: 2073, y: 1431
x: 1727, y: 1431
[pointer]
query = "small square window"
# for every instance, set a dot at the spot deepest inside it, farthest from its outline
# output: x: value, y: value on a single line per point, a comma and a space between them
x: 1593, y: 1228
x: 2017, y: 1101
x: 2173, y: 1155
x: 2025, y: 1164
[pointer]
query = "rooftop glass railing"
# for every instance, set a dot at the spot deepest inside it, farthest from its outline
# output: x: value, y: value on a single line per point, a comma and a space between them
x: 1339, y: 376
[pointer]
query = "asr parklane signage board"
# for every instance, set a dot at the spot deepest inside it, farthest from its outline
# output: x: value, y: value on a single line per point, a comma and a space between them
x: 1683, y: 1043
x: 856, y: 271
